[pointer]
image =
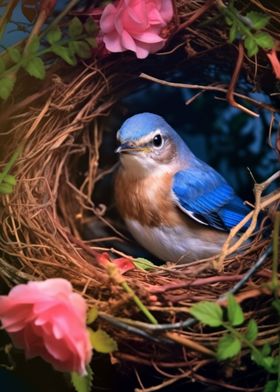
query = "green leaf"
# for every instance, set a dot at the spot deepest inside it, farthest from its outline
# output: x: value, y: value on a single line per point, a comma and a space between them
x: 229, y: 21
x: 82, y: 49
x: 258, y: 20
x: 75, y: 27
x: 92, y: 42
x: 269, y: 364
x: 34, y: 45
x: 65, y: 53
x: 14, y: 54
x: 143, y: 264
x: 257, y: 357
x: 233, y: 32
x: 92, y: 315
x: 9, y: 179
x: 251, y: 46
x: 54, y: 35
x: 266, y: 349
x: 35, y: 67
x: 264, y: 40
x: 251, y: 331
x: 208, y: 313
x: 234, y: 311
x: 228, y: 347
x: 2, y: 65
x: 71, y: 48
x: 82, y: 383
x: 6, y: 86
x: 102, y: 342
x: 6, y: 188
x: 271, y: 386
x: 90, y: 26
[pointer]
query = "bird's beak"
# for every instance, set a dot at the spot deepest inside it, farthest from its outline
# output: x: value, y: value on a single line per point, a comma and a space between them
x: 129, y: 148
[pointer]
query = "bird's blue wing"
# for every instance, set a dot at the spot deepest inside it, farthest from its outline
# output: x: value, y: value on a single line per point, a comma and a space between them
x: 206, y: 197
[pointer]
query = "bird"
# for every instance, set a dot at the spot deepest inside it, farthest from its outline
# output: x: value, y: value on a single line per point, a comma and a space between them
x: 175, y: 205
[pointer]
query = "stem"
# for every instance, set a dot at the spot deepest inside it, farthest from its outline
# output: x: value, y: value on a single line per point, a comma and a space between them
x: 241, y: 338
x: 200, y: 11
x: 36, y: 28
x: 60, y: 16
x: 139, y: 303
x: 5, y: 18
x: 10, y: 164
x: 234, y: 79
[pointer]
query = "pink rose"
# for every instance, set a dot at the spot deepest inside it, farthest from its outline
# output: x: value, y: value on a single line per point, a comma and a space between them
x: 47, y: 319
x: 135, y: 25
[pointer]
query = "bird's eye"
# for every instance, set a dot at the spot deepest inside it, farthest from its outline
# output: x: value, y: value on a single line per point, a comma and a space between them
x: 157, y: 141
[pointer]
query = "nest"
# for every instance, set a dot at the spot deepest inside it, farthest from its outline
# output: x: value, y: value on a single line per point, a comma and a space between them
x: 62, y: 125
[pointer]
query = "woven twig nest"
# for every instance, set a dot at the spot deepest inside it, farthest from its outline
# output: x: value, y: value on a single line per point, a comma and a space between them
x: 45, y: 221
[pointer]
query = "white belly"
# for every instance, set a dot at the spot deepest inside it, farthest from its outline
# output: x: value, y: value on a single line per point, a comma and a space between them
x: 174, y: 244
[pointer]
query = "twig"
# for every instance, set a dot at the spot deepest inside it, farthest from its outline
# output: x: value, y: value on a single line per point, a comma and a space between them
x: 197, y: 282
x: 165, y: 383
x: 208, y: 88
x: 253, y: 215
x: 249, y: 273
x: 36, y: 28
x: 234, y: 79
x: 200, y: 11
x: 191, y: 321
x: 8, y: 13
x: 9, y: 111
x: 191, y: 344
x: 116, y: 322
x: 225, y: 385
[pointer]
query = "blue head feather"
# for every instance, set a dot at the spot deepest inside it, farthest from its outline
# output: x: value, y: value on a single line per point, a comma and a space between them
x: 142, y: 124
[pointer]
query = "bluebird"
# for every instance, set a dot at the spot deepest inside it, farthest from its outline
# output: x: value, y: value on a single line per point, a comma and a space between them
x: 175, y: 205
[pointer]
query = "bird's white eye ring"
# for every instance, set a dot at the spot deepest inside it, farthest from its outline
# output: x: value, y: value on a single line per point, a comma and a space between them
x: 157, y: 140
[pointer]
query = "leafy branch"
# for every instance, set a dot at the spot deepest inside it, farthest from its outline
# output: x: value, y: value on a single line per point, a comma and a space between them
x: 231, y: 343
x: 78, y: 43
x: 249, y: 28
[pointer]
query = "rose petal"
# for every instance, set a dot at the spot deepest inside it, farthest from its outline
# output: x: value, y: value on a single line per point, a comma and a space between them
x: 47, y: 319
x: 128, y: 42
x: 107, y: 19
x: 149, y: 38
x: 113, y: 43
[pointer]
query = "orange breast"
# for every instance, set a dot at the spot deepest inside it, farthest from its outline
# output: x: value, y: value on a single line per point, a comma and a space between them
x: 147, y: 200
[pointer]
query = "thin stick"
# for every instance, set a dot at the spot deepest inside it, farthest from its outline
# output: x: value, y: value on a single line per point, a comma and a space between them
x: 234, y: 79
x: 6, y: 17
x: 259, y: 188
x: 208, y: 88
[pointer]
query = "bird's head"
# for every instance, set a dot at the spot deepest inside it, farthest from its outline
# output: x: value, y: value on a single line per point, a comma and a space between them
x: 148, y: 143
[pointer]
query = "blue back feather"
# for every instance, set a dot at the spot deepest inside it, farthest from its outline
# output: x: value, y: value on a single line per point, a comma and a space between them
x: 204, y: 195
